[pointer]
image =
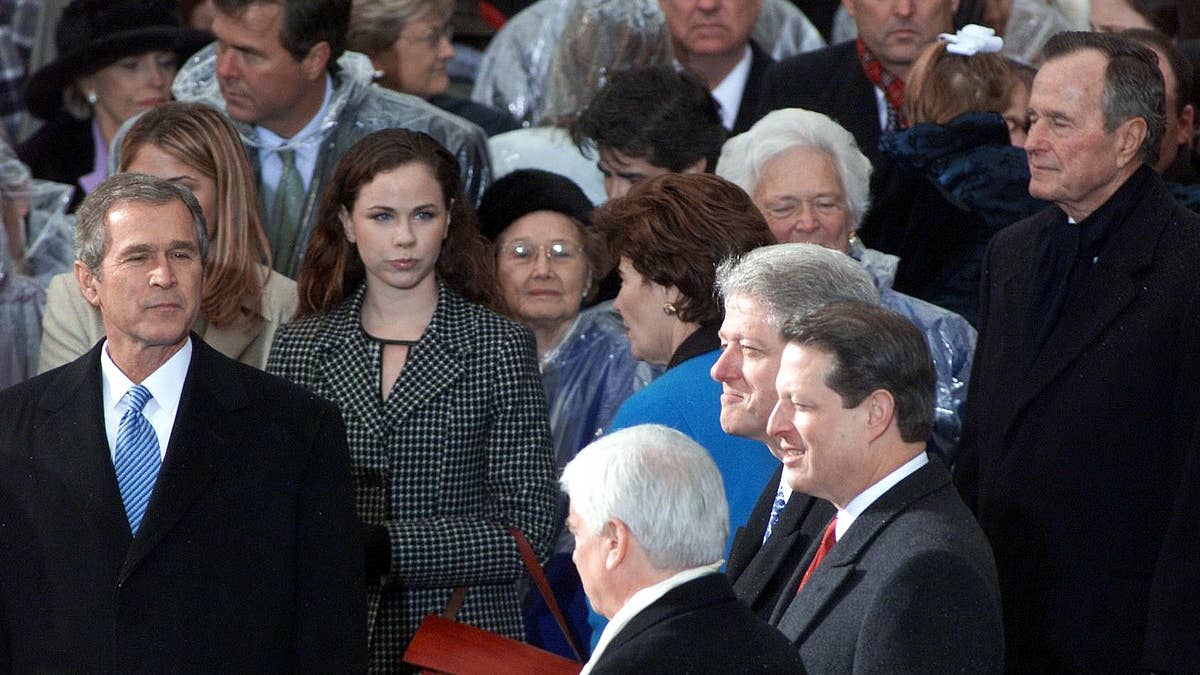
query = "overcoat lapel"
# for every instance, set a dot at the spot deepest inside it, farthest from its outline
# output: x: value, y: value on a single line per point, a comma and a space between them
x: 75, y: 433
x: 200, y: 440
x: 774, y: 552
x: 800, y: 611
x: 1109, y: 287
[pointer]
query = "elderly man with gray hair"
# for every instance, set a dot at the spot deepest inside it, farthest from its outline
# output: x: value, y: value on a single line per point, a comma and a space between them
x: 812, y: 183
x: 648, y: 512
x: 762, y: 290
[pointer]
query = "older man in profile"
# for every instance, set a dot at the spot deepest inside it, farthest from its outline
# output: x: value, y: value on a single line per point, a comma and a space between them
x: 649, y: 517
x: 903, y: 580
x: 762, y: 290
x: 1080, y: 453
x: 164, y: 507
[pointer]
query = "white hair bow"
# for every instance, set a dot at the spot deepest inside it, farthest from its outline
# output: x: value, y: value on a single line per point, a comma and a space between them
x: 973, y: 39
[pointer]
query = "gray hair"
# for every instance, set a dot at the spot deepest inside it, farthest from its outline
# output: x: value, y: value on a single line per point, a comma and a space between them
x: 790, y: 280
x: 375, y: 25
x: 781, y: 131
x: 1133, y: 83
x: 662, y: 485
x: 91, y: 229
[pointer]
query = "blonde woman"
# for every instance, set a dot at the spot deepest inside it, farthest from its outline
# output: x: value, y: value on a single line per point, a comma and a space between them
x: 244, y: 302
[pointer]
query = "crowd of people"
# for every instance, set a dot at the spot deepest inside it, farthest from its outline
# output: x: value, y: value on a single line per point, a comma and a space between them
x: 795, y: 336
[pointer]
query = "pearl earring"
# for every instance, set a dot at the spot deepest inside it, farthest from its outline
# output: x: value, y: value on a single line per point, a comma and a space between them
x: 91, y: 98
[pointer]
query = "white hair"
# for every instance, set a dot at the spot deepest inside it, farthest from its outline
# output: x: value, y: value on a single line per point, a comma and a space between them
x: 781, y: 131
x: 790, y: 280
x: 662, y: 485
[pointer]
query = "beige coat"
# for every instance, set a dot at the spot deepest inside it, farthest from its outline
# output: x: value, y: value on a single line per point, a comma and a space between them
x: 71, y: 326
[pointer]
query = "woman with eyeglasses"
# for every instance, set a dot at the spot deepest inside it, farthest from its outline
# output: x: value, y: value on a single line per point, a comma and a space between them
x: 444, y: 412
x: 549, y: 260
x: 409, y: 43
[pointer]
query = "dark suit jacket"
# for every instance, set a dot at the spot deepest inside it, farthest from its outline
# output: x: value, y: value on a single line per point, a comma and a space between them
x: 698, y: 627
x: 910, y: 588
x: 759, y: 571
x: 747, y: 115
x: 247, y: 559
x: 1083, y: 469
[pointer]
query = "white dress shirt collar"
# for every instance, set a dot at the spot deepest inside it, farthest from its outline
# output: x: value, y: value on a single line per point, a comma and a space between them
x: 306, y: 144
x: 641, y: 600
x: 165, y: 385
x: 729, y: 92
x: 846, y: 516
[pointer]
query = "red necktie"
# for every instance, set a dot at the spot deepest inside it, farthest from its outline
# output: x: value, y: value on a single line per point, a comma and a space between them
x: 827, y: 543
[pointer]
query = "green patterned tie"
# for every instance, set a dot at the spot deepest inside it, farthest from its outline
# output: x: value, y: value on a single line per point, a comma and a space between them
x: 285, y: 216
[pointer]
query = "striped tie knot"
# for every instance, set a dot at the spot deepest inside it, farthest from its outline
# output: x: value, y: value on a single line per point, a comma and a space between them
x: 137, y: 397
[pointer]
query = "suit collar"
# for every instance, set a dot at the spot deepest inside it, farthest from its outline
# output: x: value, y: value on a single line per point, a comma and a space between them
x: 796, y: 613
x: 748, y: 112
x: 199, y: 444
x: 703, y: 591
x: 81, y: 446
x: 1109, y: 287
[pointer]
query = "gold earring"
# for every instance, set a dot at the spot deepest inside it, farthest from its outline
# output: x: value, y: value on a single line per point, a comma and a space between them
x: 669, y: 309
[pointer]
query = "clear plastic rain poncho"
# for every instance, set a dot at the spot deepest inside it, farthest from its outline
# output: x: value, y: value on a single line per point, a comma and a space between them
x: 356, y: 109
x: 951, y: 342
x: 587, y: 376
x: 515, y: 73
x: 22, y: 298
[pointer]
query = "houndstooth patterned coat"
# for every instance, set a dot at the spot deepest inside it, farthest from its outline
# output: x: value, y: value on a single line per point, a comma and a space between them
x: 458, y: 452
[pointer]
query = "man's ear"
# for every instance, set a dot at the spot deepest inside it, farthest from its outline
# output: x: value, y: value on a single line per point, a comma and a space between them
x: 617, y: 540
x: 1186, y: 119
x: 315, y: 61
x: 1130, y: 135
x: 87, y: 280
x: 696, y: 167
x: 881, y: 410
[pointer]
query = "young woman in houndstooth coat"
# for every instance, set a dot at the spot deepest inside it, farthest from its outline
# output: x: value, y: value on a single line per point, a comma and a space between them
x: 442, y: 400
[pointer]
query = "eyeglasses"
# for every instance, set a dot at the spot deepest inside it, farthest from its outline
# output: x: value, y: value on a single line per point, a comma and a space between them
x: 790, y: 207
x: 524, y: 253
x: 434, y: 36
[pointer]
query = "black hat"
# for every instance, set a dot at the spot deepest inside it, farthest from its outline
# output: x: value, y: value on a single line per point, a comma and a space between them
x: 524, y: 191
x: 92, y: 34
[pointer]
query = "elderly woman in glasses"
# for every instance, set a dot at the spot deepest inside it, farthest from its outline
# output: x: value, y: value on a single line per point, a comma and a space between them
x: 811, y: 182
x: 409, y: 43
x: 548, y: 262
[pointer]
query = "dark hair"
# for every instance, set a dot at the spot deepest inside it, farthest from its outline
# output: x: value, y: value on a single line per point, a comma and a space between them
x: 656, y: 113
x: 1133, y: 84
x: 305, y: 24
x: 1181, y: 68
x: 873, y: 348
x: 332, y: 268
x: 676, y: 228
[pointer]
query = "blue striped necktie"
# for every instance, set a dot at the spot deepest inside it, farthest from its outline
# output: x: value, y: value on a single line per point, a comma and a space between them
x: 776, y: 509
x: 138, y: 457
